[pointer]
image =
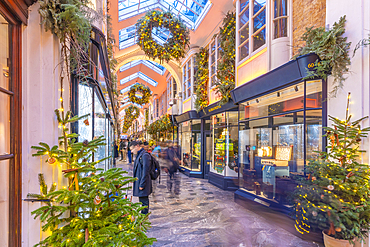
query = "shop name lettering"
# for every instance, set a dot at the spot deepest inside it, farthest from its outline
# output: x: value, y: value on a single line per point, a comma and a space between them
x: 214, y: 108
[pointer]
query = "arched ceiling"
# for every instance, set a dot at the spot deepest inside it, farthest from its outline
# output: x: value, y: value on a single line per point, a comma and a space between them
x: 203, y: 17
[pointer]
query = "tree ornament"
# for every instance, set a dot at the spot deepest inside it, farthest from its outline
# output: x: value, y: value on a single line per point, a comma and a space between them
x: 86, y: 122
x: 322, y: 196
x: 314, y: 213
x: 338, y: 229
x: 330, y: 187
x: 85, y: 143
x: 313, y: 178
x: 102, y: 179
x: 97, y: 200
x: 51, y: 160
x: 358, y: 139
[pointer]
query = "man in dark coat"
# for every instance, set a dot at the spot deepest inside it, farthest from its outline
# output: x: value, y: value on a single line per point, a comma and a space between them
x: 143, y: 186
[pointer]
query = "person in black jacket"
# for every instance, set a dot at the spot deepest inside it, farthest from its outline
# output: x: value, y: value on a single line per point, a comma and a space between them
x: 143, y: 185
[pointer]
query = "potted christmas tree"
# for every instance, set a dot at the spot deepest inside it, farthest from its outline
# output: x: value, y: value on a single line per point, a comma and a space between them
x: 334, y: 196
x: 94, y: 209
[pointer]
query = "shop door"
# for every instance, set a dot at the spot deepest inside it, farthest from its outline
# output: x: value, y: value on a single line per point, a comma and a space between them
x: 208, y: 152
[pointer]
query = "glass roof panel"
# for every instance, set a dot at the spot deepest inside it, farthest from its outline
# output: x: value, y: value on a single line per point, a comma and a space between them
x: 141, y: 76
x: 190, y: 11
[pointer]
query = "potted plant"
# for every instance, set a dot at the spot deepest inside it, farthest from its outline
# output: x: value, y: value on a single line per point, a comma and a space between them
x: 334, y: 195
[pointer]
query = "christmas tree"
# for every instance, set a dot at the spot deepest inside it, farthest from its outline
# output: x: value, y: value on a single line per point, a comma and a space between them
x: 94, y: 209
x: 334, y: 196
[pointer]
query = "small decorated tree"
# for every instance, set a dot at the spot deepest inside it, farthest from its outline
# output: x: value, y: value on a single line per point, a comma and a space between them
x: 94, y: 209
x: 334, y: 196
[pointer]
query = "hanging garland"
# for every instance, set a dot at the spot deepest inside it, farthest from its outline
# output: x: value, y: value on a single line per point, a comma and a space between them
x: 144, y: 90
x: 130, y: 116
x: 201, y: 79
x: 146, y: 124
x: 226, y: 66
x: 178, y: 39
x: 163, y: 124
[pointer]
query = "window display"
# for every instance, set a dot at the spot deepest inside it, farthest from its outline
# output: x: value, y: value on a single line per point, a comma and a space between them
x: 225, y: 141
x: 100, y: 130
x: 190, y: 140
x: 85, y: 107
x: 273, y: 147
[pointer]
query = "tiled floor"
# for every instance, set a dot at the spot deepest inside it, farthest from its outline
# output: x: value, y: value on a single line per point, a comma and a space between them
x: 191, y: 212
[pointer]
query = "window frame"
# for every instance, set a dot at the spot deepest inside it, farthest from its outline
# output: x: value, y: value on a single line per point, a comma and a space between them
x: 216, y: 53
x: 274, y: 19
x: 187, y: 78
x: 250, y: 24
x: 14, y: 91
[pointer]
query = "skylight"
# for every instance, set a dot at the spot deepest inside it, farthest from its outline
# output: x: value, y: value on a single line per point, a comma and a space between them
x: 190, y: 11
x: 141, y: 76
x: 150, y: 64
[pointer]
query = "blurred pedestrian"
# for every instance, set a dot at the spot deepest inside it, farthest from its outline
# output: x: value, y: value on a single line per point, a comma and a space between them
x: 142, y: 187
x: 121, y: 144
x: 129, y: 155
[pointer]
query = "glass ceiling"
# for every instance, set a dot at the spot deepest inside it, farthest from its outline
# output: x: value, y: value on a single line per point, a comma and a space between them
x: 189, y: 11
x: 141, y: 76
x: 150, y: 64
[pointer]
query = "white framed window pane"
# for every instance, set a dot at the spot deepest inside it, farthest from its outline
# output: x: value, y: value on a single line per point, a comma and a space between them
x: 259, y: 21
x: 280, y: 8
x: 4, y: 53
x: 244, y: 18
x: 258, y: 4
x: 4, y: 124
x: 84, y: 107
x: 243, y: 4
x: 244, y: 51
x: 259, y: 39
x: 280, y: 28
x: 244, y: 34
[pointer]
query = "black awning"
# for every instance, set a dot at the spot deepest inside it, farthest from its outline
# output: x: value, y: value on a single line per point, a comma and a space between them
x: 186, y: 116
x: 215, y: 108
x: 292, y: 72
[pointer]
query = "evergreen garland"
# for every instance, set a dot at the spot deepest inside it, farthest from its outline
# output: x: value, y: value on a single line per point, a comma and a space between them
x: 94, y: 209
x: 144, y: 90
x: 178, y: 40
x: 162, y: 126
x: 226, y: 65
x: 146, y: 124
x: 201, y: 79
x: 333, y: 51
x: 130, y: 116
x: 335, y: 195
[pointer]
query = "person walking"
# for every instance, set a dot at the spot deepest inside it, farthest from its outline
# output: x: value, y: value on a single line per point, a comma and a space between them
x: 142, y: 187
x: 121, y: 147
x: 129, y: 155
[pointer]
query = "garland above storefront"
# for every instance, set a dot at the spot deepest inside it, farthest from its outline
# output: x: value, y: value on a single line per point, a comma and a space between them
x: 176, y: 43
x: 226, y: 66
x: 161, y: 126
x: 201, y: 79
x: 130, y: 116
x: 144, y: 90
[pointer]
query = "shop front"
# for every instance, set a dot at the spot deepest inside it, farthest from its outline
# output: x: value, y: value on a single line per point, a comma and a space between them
x: 189, y: 141
x: 281, y: 116
x: 220, y: 145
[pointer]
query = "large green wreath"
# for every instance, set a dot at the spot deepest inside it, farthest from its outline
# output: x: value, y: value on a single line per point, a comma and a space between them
x: 130, y: 117
x: 178, y: 40
x: 144, y: 90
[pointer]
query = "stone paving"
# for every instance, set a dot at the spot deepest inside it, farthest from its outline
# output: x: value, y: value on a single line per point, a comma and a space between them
x: 192, y: 212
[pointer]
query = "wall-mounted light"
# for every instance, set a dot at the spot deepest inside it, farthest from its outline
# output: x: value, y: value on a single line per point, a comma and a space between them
x: 296, y: 88
x: 257, y: 101
x: 278, y: 94
x: 248, y: 103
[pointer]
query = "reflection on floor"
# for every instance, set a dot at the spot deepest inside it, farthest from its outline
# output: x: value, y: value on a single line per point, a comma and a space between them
x: 191, y: 212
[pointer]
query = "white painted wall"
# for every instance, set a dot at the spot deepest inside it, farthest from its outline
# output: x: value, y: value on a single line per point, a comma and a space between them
x: 357, y: 28
x: 40, y: 97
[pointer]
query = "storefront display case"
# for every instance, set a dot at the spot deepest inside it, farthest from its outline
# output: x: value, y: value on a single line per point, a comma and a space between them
x: 278, y: 132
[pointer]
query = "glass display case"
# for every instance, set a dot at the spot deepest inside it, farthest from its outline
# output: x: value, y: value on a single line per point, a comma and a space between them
x: 277, y: 133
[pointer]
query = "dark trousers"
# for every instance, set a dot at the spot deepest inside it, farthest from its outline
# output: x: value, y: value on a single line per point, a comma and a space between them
x: 129, y: 156
x: 145, y: 201
x: 121, y: 155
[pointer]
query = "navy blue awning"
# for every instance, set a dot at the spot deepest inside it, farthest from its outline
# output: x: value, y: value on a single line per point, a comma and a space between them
x: 186, y: 116
x: 288, y: 74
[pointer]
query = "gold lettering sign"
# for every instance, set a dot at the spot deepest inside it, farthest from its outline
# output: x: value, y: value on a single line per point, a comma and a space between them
x: 312, y: 65
x: 214, y: 108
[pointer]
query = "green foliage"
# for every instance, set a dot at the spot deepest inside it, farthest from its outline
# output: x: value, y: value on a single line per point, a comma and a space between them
x: 333, y: 51
x: 176, y: 45
x: 94, y: 210
x: 145, y: 92
x: 226, y: 66
x: 161, y: 127
x: 335, y: 195
x: 201, y: 79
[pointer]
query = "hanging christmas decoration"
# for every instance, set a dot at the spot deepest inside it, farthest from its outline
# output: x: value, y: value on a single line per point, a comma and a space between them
x: 226, y: 65
x: 51, y: 160
x: 143, y: 90
x: 86, y: 122
x: 167, y: 27
x: 97, y: 200
x: 201, y: 79
x: 131, y: 113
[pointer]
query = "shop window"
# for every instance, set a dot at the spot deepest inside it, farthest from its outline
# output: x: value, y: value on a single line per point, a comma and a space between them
x: 100, y: 130
x: 280, y: 19
x: 277, y: 134
x: 252, y: 32
x: 85, y: 106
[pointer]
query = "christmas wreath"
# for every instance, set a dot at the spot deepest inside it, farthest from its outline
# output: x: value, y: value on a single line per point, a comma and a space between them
x: 177, y: 40
x: 130, y: 116
x: 144, y: 90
